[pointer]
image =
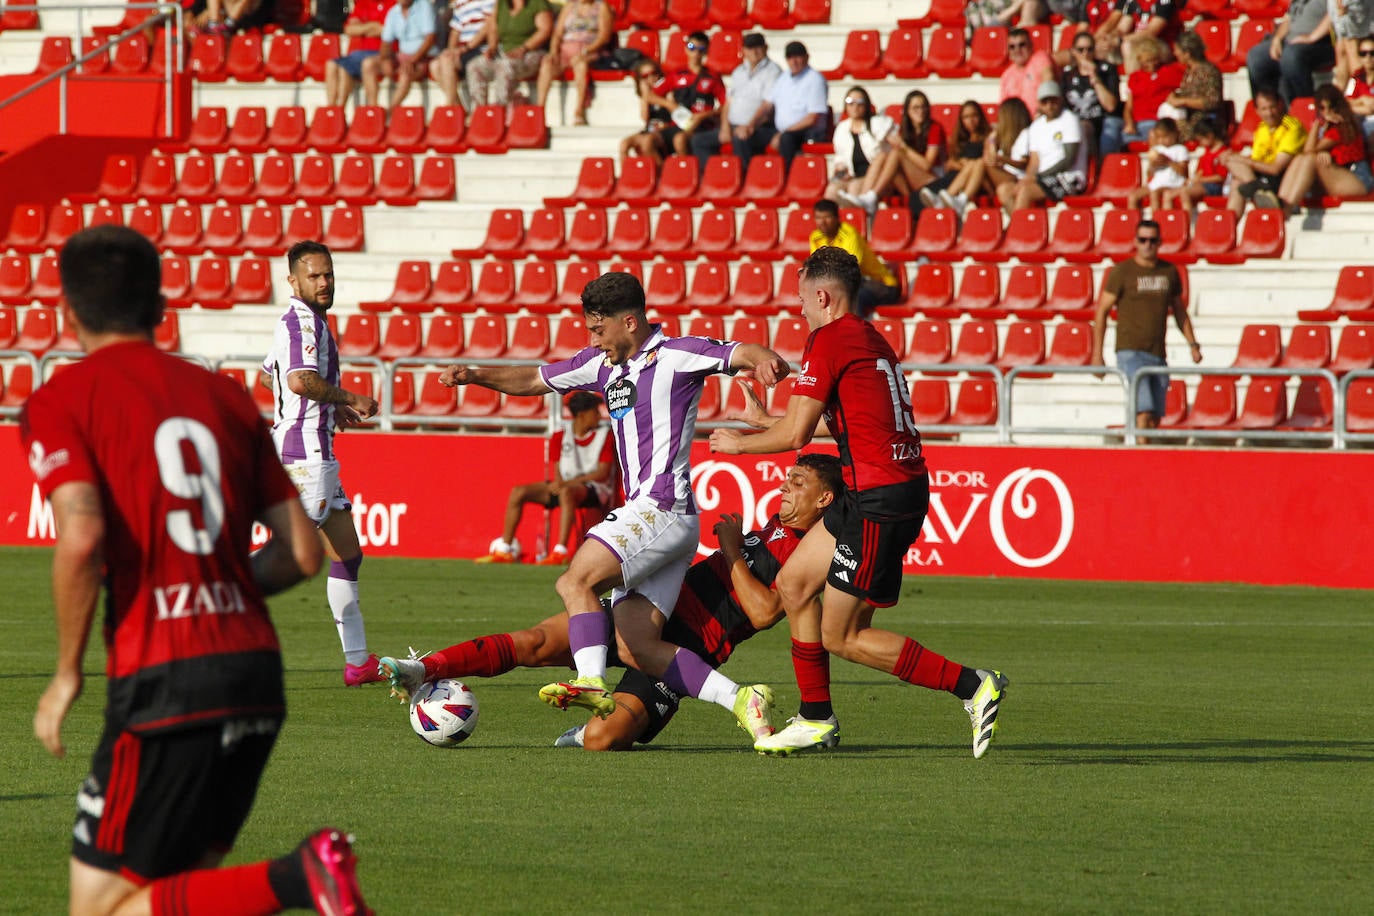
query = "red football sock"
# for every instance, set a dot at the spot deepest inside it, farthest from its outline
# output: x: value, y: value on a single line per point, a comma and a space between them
x: 812, y: 665
x: 485, y: 656
x: 922, y: 667
x: 239, y: 891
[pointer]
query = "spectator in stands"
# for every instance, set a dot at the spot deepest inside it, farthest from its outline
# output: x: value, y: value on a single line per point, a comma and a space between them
x: 1138, y: 22
x: 582, y: 453
x: 880, y: 286
x: 863, y: 153
x: 1198, y: 96
x: 364, y: 27
x: 693, y: 96
x: 1350, y: 22
x: 1360, y: 89
x: 1092, y: 90
x: 797, y: 104
x: 225, y: 17
x: 1297, y: 48
x: 1144, y: 290
x: 407, y: 43
x: 1166, y: 163
x: 1209, y: 177
x: 750, y: 84
x: 1026, y: 71
x: 517, y: 39
x: 1278, y: 139
x: 1056, y: 156
x: 963, y: 177
x: 650, y: 141
x: 1000, y: 164
x: 920, y: 150
x: 981, y: 14
x: 466, y: 29
x: 1334, y: 157
x: 583, y: 32
x: 1147, y: 89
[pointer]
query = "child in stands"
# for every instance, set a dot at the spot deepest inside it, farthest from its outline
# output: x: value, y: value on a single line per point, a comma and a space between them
x: 1167, y: 162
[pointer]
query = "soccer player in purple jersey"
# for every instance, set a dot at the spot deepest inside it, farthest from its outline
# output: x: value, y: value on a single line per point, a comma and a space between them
x: 303, y: 372
x: 641, y: 551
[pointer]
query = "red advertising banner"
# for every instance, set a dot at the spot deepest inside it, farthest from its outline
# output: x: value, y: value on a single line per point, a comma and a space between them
x: 1147, y: 514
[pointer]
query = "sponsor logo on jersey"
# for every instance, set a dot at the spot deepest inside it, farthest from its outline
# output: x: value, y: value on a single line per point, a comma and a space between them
x: 804, y: 377
x: 842, y: 558
x: 777, y: 535
x: 44, y: 464
x: 842, y: 576
x: 621, y: 397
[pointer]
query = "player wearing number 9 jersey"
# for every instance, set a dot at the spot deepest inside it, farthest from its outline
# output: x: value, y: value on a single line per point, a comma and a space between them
x: 851, y: 383
x: 156, y: 470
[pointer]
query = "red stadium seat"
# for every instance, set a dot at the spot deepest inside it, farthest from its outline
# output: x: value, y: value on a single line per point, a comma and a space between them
x: 537, y: 287
x: 167, y: 334
x: 64, y: 221
x: 1214, y: 237
x: 1072, y: 344
x: 710, y: 288
x: 54, y: 53
x: 402, y: 392
x: 20, y: 386
x: 764, y: 181
x: 277, y: 179
x: 645, y: 40
x: 487, y: 129
x: 1117, y: 177
x: 366, y: 133
x: 248, y: 133
x: 1024, y: 346
x: 772, y: 14
x: 1359, y: 406
x: 287, y: 133
x: 495, y: 287
x: 595, y: 184
x: 487, y: 339
x: 930, y: 402
x: 396, y: 182
x: 1214, y: 404
x: 303, y: 222
x: 1117, y: 241
x: 751, y: 329
x: 1174, y: 236
x: 1313, y: 407
x: 637, y: 180
x: 806, y: 181
x: 1354, y: 293
x: 328, y: 128
x: 937, y: 235
x: 892, y: 234
x: 570, y: 338
x: 796, y: 236
x: 244, y: 62
x: 527, y: 128
x: 675, y: 52
x: 806, y: 12
x: 932, y: 343
x: 405, y: 132
x: 976, y: 403
x: 1262, y: 236
x: 758, y: 236
x: 345, y: 229
x: 677, y: 181
x: 284, y: 62
x: 452, y: 287
x: 157, y: 178
x: 1216, y: 38
x: 214, y: 281
x: 14, y: 287
x: 209, y: 130
x: 224, y: 230
x: 716, y: 236
x: 444, y: 340
x: 447, y: 129
x: 183, y: 230
x: 629, y: 238
x: 576, y: 276
x: 729, y: 14
x: 38, y: 330
x: 545, y: 236
x: 438, y: 179
x: 436, y: 399
x: 987, y: 53
x: 727, y: 49
x: 1265, y: 405
x: 505, y: 236
x: 976, y: 344
x: 712, y: 326
x: 1354, y: 349
x: 47, y: 281
x: 667, y: 288
x: 118, y: 179
x: 789, y: 339
x: 237, y: 183
x: 721, y: 181
x: 673, y: 236
x: 753, y: 292
x: 106, y: 215
x: 980, y: 292
x: 324, y: 47
x: 981, y: 235
x: 412, y: 286
x: 587, y: 237
x: 1260, y: 347
x: 862, y: 58
x: 1071, y: 295
x: 945, y: 50
x: 355, y: 182
x: 787, y: 294
x: 1074, y: 229
x: 1309, y: 347
x: 1252, y: 32
x: 1026, y: 291
x: 130, y: 57
x: 1028, y: 235
x: 176, y: 280
x: 530, y: 338
x: 903, y: 57
x: 933, y: 290
x: 894, y: 332
x: 252, y: 282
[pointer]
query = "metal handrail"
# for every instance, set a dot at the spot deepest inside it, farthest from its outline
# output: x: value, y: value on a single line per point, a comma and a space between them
x: 171, y: 49
x: 1018, y: 372
x: 35, y: 372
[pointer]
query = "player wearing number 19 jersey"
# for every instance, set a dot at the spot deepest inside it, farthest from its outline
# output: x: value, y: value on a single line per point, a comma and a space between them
x: 156, y: 470
x: 850, y: 379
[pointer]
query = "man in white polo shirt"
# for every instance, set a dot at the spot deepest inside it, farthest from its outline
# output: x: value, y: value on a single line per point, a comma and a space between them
x: 1057, y: 157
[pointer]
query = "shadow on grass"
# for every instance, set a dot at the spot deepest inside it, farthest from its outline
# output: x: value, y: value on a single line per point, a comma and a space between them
x: 1229, y: 751
x: 34, y: 796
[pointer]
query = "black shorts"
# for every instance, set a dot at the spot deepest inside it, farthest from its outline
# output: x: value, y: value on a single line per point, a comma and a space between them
x: 872, y: 532
x: 1062, y: 184
x: 154, y: 806
x: 659, y: 702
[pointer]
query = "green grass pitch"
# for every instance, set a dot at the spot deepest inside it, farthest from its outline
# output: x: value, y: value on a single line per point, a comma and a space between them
x: 1164, y: 749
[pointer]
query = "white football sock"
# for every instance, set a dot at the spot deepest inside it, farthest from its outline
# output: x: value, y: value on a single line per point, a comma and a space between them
x: 348, y: 617
x: 590, y: 661
x: 719, y: 689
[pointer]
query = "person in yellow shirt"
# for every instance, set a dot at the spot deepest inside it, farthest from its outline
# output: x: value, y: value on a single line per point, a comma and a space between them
x: 1278, y: 138
x: 880, y: 286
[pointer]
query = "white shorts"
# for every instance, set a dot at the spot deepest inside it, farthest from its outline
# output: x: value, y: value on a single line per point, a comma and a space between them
x: 654, y: 546
x: 318, y: 483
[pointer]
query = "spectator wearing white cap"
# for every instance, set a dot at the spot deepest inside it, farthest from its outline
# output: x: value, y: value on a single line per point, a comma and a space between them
x: 1056, y: 156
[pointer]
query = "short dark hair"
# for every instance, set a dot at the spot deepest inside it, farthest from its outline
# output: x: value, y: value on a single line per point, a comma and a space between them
x: 613, y: 293
x: 824, y: 205
x: 1273, y: 96
x: 303, y: 248
x: 582, y: 401
x: 754, y: 40
x: 1148, y: 224
x: 112, y: 279
x: 827, y: 468
x: 831, y: 263
x: 1018, y: 32
x: 1205, y: 130
x: 700, y: 38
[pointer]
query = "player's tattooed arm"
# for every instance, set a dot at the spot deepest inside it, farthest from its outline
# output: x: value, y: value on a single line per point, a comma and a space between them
x: 308, y: 383
x: 76, y: 574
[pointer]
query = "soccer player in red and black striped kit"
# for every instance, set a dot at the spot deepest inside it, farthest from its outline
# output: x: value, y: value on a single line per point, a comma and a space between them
x: 725, y: 599
x: 156, y: 470
x: 851, y: 387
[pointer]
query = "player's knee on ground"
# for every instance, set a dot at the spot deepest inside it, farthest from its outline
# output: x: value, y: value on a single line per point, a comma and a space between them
x: 614, y: 734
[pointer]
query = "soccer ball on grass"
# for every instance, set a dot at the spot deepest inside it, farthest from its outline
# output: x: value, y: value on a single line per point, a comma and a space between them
x: 443, y: 712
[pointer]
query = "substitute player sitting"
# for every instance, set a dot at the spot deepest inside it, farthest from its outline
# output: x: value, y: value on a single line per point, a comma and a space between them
x: 641, y: 551
x: 583, y: 478
x: 726, y: 599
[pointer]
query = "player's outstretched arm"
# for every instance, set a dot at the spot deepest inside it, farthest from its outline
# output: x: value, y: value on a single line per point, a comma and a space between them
x: 761, y: 604
x: 794, y: 429
x: 76, y: 566
x: 518, y: 380
x: 767, y: 366
x: 293, y: 554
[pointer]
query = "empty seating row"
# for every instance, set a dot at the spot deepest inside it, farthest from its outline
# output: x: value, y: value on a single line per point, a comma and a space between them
x: 39, y: 329
x: 1218, y: 406
x: 279, y: 179
x: 1309, y: 347
x: 488, y: 337
x: 184, y: 229
x: 690, y: 15
x: 215, y: 283
x: 449, y: 129
x: 951, y: 12
x: 723, y: 183
x: 1353, y: 297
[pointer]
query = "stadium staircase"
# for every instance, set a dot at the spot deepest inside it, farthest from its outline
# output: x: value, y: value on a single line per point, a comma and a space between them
x: 471, y: 233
